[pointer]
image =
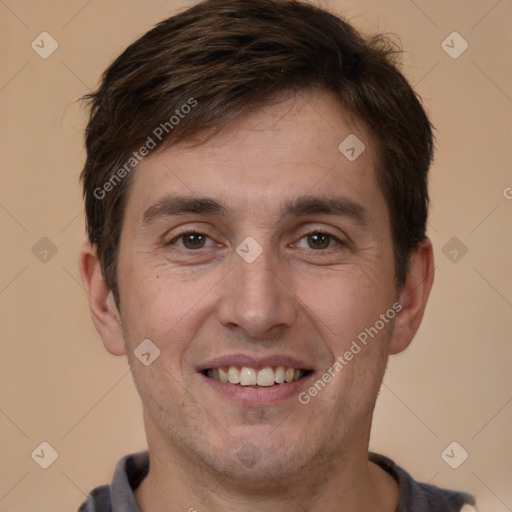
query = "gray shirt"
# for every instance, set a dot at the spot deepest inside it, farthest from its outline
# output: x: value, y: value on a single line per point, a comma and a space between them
x: 414, y: 496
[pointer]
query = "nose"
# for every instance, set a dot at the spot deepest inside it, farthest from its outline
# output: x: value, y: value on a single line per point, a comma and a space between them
x: 257, y: 300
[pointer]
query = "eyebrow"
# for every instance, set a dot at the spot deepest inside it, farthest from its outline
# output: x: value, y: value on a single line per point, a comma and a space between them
x: 170, y: 206
x: 326, y: 205
x: 181, y: 205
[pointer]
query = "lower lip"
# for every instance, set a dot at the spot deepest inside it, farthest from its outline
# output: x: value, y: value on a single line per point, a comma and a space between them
x: 248, y: 395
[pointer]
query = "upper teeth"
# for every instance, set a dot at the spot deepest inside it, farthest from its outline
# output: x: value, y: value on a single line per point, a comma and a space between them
x: 246, y: 376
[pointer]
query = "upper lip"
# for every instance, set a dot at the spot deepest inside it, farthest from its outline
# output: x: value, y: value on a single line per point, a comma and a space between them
x: 251, y: 361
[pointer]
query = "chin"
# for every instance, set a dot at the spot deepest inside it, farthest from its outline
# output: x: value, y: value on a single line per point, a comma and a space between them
x: 268, y: 472
x: 265, y: 458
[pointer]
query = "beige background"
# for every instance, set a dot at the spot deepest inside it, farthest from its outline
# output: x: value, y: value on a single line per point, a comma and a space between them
x: 57, y: 384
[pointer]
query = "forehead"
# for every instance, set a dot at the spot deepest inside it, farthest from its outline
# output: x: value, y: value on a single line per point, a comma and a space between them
x: 301, y: 146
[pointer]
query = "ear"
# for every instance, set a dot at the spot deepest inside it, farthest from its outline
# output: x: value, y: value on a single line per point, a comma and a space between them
x: 413, y: 297
x: 104, y: 313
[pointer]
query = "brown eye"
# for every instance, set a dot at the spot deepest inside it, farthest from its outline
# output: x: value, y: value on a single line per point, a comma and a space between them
x: 193, y: 240
x: 319, y: 240
x: 190, y: 240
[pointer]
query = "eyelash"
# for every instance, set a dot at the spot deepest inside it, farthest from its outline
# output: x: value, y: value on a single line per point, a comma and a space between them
x: 185, y: 232
x: 331, y: 237
x: 192, y: 231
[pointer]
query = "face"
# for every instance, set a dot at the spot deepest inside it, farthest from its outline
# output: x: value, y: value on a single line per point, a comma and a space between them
x: 267, y: 249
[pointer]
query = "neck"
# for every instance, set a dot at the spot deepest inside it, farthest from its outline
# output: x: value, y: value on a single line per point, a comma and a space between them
x: 348, y: 481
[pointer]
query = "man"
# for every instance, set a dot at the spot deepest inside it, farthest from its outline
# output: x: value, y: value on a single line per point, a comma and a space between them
x: 256, y: 201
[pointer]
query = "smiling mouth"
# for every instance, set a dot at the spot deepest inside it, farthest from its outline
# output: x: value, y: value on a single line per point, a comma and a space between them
x: 264, y: 377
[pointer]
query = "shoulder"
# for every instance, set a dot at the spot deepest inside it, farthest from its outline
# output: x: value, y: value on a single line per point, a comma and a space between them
x: 420, y: 497
x: 98, y: 500
x: 118, y: 496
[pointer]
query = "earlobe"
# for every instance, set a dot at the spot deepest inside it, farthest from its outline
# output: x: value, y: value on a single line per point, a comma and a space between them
x: 413, y: 297
x: 104, y: 313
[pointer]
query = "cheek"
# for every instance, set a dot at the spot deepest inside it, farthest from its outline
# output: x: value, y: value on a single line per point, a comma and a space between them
x: 342, y: 304
x: 166, y: 306
x: 146, y: 303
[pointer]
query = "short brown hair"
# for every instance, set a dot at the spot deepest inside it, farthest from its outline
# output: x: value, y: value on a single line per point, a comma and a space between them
x: 231, y: 55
